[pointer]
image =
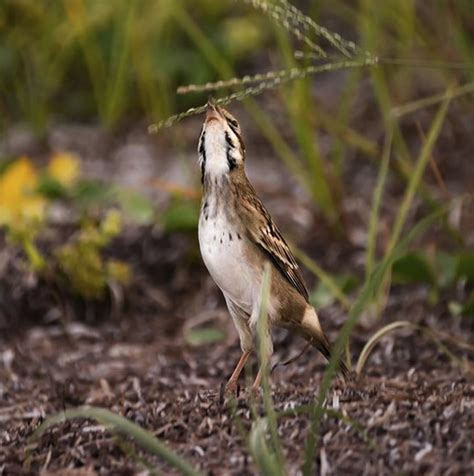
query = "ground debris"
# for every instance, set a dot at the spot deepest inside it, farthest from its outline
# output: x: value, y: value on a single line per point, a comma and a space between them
x: 416, y: 421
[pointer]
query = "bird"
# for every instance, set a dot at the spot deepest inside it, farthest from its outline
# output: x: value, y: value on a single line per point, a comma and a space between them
x: 237, y: 237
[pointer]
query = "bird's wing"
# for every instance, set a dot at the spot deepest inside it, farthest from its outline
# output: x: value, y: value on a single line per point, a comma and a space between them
x: 263, y: 232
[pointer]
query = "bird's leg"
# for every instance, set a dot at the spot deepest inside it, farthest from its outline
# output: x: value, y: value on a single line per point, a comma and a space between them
x: 231, y: 385
x: 258, y: 379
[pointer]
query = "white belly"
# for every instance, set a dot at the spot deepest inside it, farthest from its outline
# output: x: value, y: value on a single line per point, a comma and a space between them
x: 223, y: 255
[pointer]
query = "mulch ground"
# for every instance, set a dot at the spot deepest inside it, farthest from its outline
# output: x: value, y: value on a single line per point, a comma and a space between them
x: 411, y: 412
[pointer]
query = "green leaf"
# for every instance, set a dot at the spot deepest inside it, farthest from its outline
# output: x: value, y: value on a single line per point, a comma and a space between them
x: 468, y: 307
x: 465, y: 268
x: 446, y: 265
x: 465, y: 309
x: 413, y: 268
x: 181, y: 216
x: 51, y: 188
x: 204, y: 335
x: 91, y: 192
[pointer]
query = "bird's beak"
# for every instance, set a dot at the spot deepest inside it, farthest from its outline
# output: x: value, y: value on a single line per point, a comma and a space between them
x: 211, y: 112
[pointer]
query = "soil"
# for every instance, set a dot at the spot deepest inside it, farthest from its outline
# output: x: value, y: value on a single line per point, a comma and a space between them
x: 411, y: 412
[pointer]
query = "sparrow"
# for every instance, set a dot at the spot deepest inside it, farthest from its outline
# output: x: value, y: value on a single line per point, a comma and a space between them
x: 237, y: 236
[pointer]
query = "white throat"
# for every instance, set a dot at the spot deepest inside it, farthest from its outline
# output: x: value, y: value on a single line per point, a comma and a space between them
x: 216, y: 151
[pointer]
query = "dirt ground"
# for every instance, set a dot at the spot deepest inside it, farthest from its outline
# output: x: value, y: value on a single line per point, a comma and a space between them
x: 411, y: 412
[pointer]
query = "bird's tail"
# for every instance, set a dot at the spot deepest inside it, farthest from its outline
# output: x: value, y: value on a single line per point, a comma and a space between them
x: 313, y: 332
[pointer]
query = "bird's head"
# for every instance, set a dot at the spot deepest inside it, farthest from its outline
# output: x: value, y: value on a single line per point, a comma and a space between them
x: 221, y: 149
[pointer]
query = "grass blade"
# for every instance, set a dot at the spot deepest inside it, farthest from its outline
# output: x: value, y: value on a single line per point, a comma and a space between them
x: 300, y: 106
x: 372, y: 342
x: 418, y: 171
x: 432, y: 335
x: 264, y: 458
x: 287, y: 19
x: 367, y: 293
x: 277, y: 78
x: 116, y: 91
x: 374, y: 213
x: 76, y: 13
x: 347, y: 48
x: 264, y: 339
x: 121, y: 425
x: 414, y: 106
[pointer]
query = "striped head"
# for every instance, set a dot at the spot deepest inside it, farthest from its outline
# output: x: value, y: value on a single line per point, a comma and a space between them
x: 221, y: 149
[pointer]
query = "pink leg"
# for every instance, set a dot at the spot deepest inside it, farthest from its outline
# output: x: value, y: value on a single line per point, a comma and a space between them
x: 232, y: 383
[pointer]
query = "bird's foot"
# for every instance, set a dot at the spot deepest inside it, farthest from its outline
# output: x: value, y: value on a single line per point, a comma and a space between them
x: 231, y: 388
x: 254, y: 391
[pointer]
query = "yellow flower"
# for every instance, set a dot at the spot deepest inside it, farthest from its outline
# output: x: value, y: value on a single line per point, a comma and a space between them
x: 18, y: 201
x: 64, y: 167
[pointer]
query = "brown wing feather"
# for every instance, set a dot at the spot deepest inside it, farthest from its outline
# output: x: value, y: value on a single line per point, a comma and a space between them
x: 265, y: 234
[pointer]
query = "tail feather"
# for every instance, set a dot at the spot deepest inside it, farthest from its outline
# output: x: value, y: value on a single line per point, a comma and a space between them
x: 312, y: 331
x: 321, y: 342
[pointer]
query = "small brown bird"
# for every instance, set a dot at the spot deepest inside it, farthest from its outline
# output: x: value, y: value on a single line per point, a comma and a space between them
x: 237, y: 236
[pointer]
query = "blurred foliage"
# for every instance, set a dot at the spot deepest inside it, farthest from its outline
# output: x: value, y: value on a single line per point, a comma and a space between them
x: 64, y: 167
x: 120, y: 60
x: 443, y: 269
x: 81, y: 263
x: 413, y: 268
x: 181, y: 215
x: 21, y: 206
x: 204, y: 336
x: 109, y: 59
x: 440, y: 271
x: 26, y: 197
